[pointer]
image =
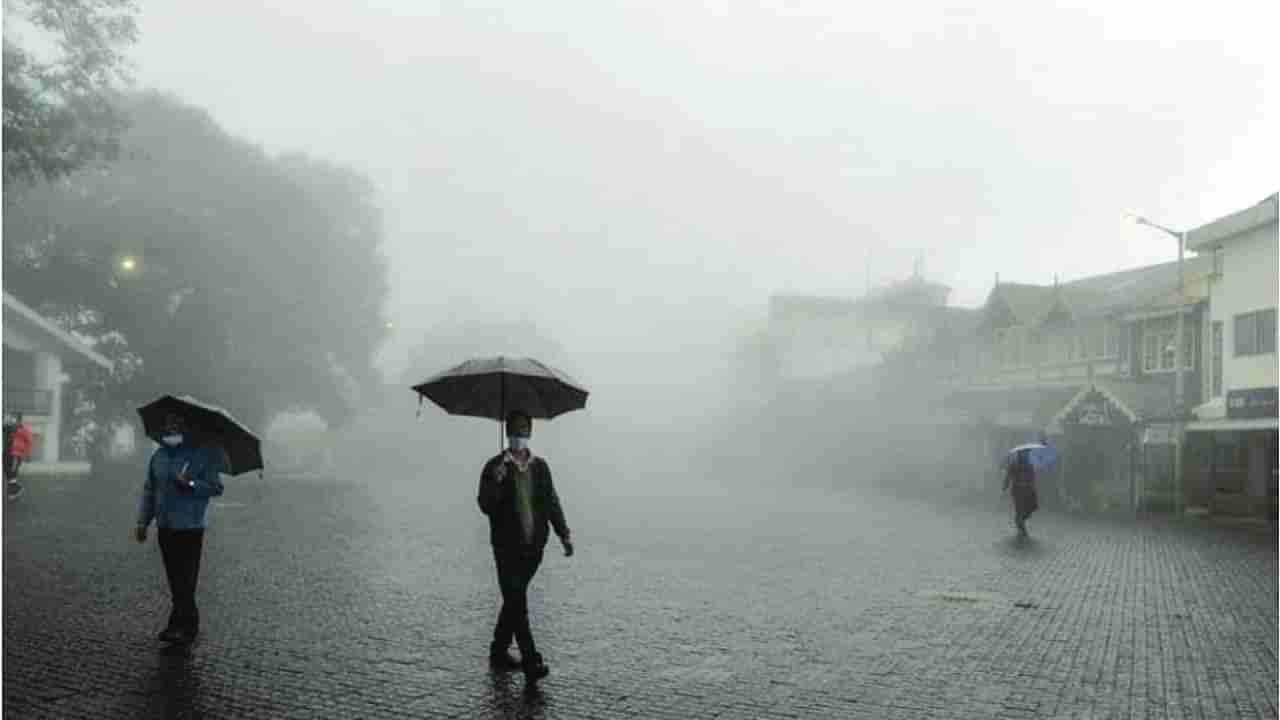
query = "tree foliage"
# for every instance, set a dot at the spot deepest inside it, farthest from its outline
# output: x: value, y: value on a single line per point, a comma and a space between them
x: 60, y: 113
x: 203, y: 265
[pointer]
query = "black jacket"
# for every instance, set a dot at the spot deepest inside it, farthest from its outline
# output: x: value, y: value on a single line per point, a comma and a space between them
x: 498, y: 501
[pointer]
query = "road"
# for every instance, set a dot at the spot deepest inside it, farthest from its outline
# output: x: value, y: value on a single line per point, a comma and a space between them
x: 375, y: 596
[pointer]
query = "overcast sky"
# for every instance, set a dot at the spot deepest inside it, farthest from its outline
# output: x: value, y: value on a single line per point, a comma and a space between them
x: 608, y: 171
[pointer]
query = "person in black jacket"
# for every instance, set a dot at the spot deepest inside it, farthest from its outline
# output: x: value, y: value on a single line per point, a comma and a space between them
x: 517, y: 494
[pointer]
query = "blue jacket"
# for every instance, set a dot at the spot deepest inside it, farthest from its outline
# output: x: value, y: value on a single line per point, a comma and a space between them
x: 174, y: 507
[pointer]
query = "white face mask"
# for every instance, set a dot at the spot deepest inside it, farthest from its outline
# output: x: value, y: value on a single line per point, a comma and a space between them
x: 519, y: 442
x: 172, y: 440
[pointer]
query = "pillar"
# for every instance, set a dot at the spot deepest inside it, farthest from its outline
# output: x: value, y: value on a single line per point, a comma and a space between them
x: 49, y: 378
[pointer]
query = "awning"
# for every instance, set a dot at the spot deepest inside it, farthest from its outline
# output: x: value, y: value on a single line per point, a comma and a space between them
x: 1228, y: 425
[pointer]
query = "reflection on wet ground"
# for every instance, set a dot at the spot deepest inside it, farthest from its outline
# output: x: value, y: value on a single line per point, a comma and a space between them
x: 376, y: 599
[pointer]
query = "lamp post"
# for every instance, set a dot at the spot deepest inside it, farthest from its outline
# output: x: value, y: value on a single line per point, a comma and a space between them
x: 1179, y: 397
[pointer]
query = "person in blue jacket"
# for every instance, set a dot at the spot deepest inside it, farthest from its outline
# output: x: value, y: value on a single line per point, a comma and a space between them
x: 181, y: 477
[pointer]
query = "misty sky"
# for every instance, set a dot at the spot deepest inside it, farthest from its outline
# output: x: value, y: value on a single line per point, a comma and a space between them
x: 609, y: 172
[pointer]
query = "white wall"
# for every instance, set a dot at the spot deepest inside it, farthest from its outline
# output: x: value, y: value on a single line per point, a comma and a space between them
x: 48, y: 376
x: 1250, y: 281
x: 15, y: 338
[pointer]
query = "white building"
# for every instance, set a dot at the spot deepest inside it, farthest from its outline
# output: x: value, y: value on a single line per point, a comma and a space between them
x: 1234, y: 435
x: 36, y: 351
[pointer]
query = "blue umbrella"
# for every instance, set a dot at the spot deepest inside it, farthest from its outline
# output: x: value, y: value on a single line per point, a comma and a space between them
x: 1042, y: 457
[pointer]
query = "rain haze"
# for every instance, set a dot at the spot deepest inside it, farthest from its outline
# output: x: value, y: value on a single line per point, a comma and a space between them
x: 820, y: 267
x: 636, y: 181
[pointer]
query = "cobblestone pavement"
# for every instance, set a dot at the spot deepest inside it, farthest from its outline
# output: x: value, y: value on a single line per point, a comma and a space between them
x: 375, y: 598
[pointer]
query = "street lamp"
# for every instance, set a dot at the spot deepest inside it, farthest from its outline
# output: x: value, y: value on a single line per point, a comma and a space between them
x: 1179, y: 362
x: 128, y: 263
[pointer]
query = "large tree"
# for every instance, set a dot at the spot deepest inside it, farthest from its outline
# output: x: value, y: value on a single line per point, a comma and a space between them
x: 59, y: 109
x: 205, y: 265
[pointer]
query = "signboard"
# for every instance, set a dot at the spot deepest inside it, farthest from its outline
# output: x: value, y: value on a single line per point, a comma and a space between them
x: 1094, y: 410
x: 1251, y: 403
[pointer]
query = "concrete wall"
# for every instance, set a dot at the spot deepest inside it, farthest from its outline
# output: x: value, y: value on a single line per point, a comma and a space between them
x: 49, y: 376
x: 1249, y: 282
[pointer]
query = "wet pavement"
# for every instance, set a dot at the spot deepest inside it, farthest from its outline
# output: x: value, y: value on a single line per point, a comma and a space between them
x: 372, y: 598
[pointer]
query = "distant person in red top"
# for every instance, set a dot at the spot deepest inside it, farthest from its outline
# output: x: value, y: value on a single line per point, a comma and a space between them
x: 17, y: 446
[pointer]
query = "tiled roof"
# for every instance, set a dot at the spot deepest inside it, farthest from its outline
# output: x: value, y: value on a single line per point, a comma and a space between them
x: 1102, y: 295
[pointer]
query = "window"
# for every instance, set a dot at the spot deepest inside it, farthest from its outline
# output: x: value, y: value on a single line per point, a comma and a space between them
x: 1166, y: 351
x: 1097, y: 344
x: 1217, y: 262
x: 1069, y: 347
x: 1150, y: 353
x: 1255, y: 333
x: 1217, y: 359
x: 1111, y: 342
x: 1159, y: 340
x: 998, y: 348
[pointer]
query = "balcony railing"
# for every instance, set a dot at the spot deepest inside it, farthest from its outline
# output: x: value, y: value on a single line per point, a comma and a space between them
x: 28, y: 401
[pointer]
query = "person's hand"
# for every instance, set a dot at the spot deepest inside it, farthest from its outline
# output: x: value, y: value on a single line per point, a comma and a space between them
x: 184, y: 482
x: 567, y: 542
x: 500, y: 472
x: 140, y: 534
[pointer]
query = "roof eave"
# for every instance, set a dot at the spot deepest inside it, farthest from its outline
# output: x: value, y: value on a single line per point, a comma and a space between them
x: 1237, y: 223
x: 62, y: 337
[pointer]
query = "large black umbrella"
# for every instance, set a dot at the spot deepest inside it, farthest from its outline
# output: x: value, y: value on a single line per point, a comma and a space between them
x: 490, y: 387
x: 212, y: 425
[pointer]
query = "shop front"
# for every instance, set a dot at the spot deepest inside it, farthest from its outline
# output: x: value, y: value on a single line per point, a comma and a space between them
x: 1235, y: 458
x: 1096, y: 452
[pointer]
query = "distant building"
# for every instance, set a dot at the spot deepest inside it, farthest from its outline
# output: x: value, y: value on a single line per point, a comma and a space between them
x: 815, y: 338
x: 36, y: 352
x: 1089, y: 363
x: 1231, y: 462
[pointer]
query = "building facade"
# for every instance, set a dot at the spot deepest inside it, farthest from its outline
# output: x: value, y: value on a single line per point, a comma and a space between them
x: 1231, y: 459
x: 36, y: 354
x: 1091, y: 364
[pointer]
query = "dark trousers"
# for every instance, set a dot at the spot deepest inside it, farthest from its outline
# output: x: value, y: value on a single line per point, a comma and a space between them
x: 516, y: 568
x: 1025, y: 502
x: 11, y: 465
x: 181, y: 552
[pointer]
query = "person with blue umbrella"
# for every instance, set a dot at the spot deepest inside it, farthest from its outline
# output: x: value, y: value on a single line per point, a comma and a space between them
x: 1020, y: 479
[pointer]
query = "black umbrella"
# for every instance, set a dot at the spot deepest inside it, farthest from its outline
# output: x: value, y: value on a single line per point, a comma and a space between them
x: 212, y: 425
x: 489, y: 387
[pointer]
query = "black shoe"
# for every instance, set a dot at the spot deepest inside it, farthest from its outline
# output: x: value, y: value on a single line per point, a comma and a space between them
x: 171, y: 634
x: 535, y: 671
x: 502, y: 660
x: 185, y: 635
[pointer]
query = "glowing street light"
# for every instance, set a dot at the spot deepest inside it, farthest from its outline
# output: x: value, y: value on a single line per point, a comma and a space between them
x: 129, y: 264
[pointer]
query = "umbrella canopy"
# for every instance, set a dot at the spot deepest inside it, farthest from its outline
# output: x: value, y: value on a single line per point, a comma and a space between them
x: 212, y: 425
x: 491, y: 387
x: 1042, y: 457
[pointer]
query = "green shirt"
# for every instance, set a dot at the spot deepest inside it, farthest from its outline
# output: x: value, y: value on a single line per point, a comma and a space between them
x: 524, y: 500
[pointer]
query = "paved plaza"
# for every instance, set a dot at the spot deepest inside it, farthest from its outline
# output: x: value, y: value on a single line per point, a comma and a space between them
x: 375, y: 598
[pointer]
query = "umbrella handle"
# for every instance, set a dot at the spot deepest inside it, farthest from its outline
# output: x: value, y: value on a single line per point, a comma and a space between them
x: 502, y: 406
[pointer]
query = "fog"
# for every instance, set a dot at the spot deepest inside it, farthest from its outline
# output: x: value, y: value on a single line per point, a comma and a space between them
x: 636, y: 182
